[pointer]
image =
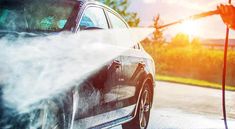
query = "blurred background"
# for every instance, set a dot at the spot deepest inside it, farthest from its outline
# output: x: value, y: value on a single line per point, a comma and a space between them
x: 188, y: 60
x: 191, y: 52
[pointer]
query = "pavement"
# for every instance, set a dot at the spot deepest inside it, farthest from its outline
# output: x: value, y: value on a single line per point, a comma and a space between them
x: 178, y: 106
x: 198, y: 100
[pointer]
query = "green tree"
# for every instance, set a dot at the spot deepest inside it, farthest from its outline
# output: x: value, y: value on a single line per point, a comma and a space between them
x: 121, y: 7
x: 196, y: 43
x: 180, y: 40
x: 157, y: 37
x: 158, y: 33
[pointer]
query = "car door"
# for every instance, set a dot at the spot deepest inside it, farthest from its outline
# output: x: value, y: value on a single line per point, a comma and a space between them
x: 105, y: 79
x: 131, y: 67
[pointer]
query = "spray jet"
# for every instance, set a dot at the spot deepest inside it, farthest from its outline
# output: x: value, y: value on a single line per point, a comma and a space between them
x: 61, y: 57
x: 55, y: 80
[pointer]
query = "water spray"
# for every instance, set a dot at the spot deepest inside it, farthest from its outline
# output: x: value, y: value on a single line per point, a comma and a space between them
x: 203, y: 15
x: 36, y: 69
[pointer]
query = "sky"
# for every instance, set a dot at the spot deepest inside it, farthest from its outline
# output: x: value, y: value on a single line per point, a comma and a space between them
x: 171, y: 10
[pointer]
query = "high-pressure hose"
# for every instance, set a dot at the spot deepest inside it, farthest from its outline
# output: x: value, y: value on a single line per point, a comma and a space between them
x: 202, y: 15
x: 224, y: 74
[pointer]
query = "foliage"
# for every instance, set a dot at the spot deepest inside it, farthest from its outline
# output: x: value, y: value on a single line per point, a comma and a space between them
x: 121, y: 7
x: 157, y: 34
x: 191, y: 60
x: 180, y: 40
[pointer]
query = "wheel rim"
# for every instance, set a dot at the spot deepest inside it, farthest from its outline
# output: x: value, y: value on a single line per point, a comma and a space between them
x: 144, y: 109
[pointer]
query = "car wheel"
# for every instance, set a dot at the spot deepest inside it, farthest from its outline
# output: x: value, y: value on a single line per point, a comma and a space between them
x: 47, y: 117
x: 143, y: 112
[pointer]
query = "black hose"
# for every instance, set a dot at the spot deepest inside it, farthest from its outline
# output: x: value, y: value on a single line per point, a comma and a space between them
x: 224, y: 78
x: 224, y: 74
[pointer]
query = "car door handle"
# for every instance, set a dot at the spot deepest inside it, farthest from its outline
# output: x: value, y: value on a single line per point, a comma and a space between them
x: 142, y: 64
x: 117, y: 63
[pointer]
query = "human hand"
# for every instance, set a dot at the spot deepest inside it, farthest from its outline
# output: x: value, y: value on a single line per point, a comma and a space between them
x: 227, y: 13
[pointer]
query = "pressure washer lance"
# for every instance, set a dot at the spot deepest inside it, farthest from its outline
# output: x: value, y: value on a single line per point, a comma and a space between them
x: 193, y: 17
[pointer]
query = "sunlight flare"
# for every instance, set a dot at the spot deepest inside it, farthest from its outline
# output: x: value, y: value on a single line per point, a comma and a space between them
x: 190, y: 27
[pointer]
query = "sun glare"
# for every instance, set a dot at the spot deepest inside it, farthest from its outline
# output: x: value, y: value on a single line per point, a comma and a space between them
x: 190, y: 27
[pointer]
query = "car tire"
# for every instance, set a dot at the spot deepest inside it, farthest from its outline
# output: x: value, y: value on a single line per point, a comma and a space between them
x: 141, y: 119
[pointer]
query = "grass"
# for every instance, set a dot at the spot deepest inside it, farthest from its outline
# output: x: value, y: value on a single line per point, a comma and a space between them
x: 194, y: 82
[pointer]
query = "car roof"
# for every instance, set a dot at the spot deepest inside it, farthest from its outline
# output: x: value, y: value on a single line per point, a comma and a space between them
x: 95, y: 2
x: 89, y: 1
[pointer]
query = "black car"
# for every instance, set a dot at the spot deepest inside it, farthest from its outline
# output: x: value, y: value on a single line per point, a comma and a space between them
x: 125, y: 85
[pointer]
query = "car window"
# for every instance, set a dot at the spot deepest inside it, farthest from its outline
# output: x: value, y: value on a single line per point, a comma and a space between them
x: 93, y: 17
x: 116, y: 21
x: 34, y: 16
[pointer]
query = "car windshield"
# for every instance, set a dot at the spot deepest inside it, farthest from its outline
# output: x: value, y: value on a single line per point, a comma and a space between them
x: 34, y: 15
